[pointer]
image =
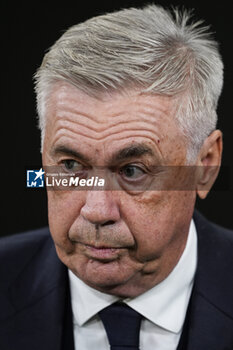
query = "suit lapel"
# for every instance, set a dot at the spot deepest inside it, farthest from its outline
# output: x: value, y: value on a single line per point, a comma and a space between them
x: 67, y: 335
x: 209, y: 323
x: 206, y: 327
x: 38, y: 326
x: 39, y: 313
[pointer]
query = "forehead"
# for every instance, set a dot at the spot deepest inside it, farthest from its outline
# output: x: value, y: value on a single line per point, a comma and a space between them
x: 66, y: 97
x: 111, y: 121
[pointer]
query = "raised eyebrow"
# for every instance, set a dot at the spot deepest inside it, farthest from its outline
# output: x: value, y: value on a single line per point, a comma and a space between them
x: 136, y: 150
x: 132, y: 151
x: 69, y: 152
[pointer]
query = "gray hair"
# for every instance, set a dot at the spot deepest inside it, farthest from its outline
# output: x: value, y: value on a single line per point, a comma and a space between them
x: 151, y: 49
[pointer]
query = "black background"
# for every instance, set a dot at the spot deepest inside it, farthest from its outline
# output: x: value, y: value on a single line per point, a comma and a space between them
x: 29, y: 28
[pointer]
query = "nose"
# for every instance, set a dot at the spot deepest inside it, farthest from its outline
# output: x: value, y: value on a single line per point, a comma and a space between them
x: 100, y: 208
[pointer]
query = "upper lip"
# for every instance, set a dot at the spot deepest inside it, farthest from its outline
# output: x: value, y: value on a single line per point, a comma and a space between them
x: 101, y: 246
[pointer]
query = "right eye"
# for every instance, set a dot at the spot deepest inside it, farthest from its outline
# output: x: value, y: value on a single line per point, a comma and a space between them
x: 73, y: 166
x: 131, y: 172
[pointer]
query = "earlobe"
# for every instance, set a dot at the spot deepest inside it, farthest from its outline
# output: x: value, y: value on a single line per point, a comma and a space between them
x: 209, y: 161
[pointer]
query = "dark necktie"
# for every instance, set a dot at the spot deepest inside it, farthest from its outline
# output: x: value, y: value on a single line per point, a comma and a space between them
x: 122, y: 325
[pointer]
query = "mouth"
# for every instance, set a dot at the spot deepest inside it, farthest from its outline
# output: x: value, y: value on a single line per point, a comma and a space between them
x: 103, y: 253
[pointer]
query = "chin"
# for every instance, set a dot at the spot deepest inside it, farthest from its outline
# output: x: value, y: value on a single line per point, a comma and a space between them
x: 124, y: 290
x: 117, y: 284
x: 106, y: 277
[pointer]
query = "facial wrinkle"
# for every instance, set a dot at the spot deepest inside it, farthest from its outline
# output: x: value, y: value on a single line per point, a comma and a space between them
x: 108, y: 133
x: 106, y: 127
x: 143, y: 113
x: 97, y: 233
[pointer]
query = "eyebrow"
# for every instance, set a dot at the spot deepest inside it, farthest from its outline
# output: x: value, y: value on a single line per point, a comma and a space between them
x: 132, y: 151
x: 136, y: 150
x: 70, y: 152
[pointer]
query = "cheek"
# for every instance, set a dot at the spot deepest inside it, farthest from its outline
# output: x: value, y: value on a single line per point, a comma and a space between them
x: 152, y: 236
x: 62, y: 212
x: 144, y: 217
x: 160, y: 220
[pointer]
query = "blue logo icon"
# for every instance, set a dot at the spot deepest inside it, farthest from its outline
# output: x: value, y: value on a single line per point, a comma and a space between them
x: 35, y: 178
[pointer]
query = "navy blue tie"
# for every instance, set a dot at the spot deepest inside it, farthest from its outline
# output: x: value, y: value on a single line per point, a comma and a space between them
x: 122, y: 325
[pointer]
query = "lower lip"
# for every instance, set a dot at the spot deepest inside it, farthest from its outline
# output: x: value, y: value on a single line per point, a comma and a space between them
x: 102, y: 253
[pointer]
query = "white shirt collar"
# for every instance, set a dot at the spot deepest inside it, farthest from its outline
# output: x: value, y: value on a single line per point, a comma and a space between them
x: 165, y: 304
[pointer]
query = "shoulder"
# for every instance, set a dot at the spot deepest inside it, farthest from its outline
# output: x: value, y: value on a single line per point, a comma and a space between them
x: 23, y: 243
x: 24, y: 238
x: 214, y: 276
x: 31, y: 248
x: 214, y: 237
x: 31, y: 276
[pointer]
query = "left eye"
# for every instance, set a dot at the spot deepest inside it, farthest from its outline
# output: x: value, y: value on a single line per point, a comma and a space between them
x: 131, y: 172
x: 72, y: 165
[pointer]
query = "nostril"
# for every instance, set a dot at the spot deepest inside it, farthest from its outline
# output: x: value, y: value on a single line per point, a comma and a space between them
x: 109, y: 222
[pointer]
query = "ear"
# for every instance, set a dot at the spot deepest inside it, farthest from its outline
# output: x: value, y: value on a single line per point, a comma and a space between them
x: 209, y: 161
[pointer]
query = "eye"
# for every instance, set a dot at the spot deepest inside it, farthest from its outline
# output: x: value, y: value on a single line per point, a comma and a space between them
x: 72, y: 165
x: 131, y: 172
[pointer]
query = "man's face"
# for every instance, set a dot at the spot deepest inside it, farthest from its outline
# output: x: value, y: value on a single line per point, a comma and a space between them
x: 124, y: 239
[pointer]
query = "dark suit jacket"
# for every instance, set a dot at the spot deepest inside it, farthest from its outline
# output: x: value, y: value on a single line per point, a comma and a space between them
x: 35, y: 310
